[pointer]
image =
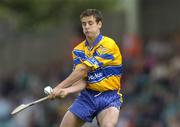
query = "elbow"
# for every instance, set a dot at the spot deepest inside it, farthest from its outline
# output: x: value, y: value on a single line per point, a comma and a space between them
x: 83, y: 70
x: 83, y: 84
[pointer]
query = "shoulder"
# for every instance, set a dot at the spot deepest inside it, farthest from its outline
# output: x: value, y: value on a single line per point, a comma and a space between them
x: 80, y: 46
x: 106, y: 38
x: 108, y: 42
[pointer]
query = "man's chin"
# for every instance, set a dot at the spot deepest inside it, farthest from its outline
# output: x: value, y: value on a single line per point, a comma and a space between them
x: 89, y: 35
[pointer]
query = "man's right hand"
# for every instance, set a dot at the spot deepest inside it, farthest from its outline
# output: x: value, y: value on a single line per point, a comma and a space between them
x: 58, y: 93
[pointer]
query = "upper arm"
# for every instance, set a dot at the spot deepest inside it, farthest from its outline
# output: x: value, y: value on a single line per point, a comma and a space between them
x: 82, y: 69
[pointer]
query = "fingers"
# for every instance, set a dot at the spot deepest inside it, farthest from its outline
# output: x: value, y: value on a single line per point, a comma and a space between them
x: 51, y: 97
x: 53, y: 94
x: 60, y: 93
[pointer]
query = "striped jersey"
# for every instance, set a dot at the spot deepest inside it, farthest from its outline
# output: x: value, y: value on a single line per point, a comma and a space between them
x: 104, y: 60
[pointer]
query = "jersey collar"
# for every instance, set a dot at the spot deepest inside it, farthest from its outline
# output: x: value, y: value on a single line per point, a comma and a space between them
x: 97, y: 40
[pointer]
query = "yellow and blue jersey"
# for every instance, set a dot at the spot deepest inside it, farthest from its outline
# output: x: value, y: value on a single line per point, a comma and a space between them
x: 104, y: 60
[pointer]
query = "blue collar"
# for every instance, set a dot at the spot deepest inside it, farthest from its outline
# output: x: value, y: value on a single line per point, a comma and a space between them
x: 97, y: 40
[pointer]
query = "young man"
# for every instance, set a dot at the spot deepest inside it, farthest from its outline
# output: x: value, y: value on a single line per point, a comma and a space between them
x: 97, y: 74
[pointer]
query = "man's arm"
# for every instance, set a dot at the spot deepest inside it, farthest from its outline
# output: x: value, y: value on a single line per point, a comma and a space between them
x: 78, y: 74
x: 76, y: 87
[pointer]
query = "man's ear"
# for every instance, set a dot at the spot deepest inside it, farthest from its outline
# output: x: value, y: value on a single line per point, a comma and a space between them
x: 100, y: 24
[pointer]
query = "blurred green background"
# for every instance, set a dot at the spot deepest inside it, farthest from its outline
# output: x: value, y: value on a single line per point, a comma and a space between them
x: 36, y: 40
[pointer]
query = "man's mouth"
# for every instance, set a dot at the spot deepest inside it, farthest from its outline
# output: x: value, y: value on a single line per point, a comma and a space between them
x: 87, y: 32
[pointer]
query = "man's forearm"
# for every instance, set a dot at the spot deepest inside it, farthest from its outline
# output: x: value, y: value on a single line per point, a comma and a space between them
x: 75, y: 76
x: 77, y: 87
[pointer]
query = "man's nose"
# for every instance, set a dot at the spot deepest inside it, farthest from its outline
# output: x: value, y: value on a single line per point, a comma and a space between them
x: 87, y: 26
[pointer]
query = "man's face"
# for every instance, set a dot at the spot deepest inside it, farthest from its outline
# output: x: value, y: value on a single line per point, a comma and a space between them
x: 90, y: 27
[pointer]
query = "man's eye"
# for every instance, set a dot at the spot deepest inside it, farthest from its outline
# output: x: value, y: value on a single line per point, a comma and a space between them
x: 90, y: 23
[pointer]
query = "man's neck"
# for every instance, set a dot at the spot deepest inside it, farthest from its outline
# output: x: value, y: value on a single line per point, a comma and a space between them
x: 91, y: 40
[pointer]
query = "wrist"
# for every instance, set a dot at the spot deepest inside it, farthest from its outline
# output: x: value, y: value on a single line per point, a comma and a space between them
x: 69, y: 90
x: 60, y: 86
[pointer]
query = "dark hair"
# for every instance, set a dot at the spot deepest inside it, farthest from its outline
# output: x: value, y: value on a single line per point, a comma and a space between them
x: 92, y: 12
